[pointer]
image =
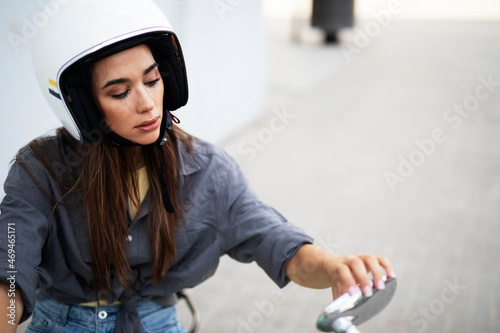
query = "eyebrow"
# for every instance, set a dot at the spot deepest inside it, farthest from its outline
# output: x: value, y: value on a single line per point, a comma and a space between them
x: 150, y: 68
x: 123, y: 80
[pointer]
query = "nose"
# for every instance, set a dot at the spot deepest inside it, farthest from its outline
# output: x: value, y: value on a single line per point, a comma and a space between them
x: 144, y: 102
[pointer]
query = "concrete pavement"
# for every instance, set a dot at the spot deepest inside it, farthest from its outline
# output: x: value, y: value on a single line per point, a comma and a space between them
x: 392, y: 150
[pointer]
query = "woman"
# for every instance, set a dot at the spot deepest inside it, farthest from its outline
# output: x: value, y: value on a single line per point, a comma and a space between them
x: 105, y: 221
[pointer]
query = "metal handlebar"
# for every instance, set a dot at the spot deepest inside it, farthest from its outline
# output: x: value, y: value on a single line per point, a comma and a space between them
x: 347, y: 311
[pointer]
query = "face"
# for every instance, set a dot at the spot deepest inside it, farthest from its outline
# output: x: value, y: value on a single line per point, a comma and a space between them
x: 129, y: 90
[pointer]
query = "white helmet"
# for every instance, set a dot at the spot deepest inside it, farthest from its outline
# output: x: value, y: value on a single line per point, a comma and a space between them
x: 83, y: 31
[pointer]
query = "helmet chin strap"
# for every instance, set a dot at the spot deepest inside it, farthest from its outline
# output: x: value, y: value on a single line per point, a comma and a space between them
x: 167, y: 203
x: 166, y: 124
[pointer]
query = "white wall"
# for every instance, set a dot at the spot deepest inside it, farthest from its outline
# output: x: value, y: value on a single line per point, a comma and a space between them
x: 225, y: 55
x: 24, y: 113
x: 224, y: 52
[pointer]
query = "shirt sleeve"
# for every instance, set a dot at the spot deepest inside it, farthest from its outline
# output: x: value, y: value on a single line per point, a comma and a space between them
x: 24, y: 221
x: 254, y: 231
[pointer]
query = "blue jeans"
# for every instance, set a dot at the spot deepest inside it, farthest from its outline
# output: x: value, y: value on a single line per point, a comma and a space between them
x: 52, y: 316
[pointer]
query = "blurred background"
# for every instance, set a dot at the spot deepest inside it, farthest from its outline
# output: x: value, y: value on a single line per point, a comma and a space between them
x: 379, y: 137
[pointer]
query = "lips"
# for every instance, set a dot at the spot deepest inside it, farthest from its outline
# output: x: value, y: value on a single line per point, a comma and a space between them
x: 149, y: 125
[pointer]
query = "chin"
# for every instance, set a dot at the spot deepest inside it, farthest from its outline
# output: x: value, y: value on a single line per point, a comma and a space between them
x: 147, y: 139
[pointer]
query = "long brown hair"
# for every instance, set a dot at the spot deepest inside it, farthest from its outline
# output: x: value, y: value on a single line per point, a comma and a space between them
x: 105, y: 175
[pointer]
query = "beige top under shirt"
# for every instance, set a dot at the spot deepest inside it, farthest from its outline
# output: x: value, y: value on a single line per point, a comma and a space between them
x: 143, y: 189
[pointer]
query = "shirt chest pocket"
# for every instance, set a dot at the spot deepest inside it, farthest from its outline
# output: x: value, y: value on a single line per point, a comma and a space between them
x: 196, y: 241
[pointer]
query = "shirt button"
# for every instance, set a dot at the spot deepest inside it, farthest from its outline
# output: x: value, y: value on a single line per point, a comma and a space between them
x: 129, y: 238
x: 102, y: 314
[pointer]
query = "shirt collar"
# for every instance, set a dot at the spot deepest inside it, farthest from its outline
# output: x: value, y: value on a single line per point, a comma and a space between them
x: 186, y: 161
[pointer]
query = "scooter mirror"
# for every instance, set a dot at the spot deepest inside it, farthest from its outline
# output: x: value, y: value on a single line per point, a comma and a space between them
x: 347, y: 311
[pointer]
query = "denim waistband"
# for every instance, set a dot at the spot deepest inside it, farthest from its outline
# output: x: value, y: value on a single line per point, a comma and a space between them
x: 85, y: 313
x: 50, y: 314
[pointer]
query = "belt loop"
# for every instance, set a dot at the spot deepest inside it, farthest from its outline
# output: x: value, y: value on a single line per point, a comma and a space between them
x: 63, y: 315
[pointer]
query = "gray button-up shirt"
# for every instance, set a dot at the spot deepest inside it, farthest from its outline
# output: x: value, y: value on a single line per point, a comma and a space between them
x: 223, y: 217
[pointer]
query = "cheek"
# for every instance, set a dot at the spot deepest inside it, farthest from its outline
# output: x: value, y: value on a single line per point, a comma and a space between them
x: 112, y: 112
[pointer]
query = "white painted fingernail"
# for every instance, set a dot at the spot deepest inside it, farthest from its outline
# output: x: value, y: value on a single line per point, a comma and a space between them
x: 352, y: 291
x: 368, y: 291
x: 380, y: 285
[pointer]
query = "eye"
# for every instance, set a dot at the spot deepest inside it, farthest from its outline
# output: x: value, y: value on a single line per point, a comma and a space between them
x: 152, y: 83
x: 122, y: 95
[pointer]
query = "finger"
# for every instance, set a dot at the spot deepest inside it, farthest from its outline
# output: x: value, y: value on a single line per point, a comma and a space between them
x: 360, y: 274
x: 345, y: 282
x: 373, y: 266
x: 384, y: 262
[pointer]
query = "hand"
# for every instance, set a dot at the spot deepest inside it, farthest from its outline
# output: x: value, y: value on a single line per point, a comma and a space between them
x: 346, y: 272
x: 314, y: 267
